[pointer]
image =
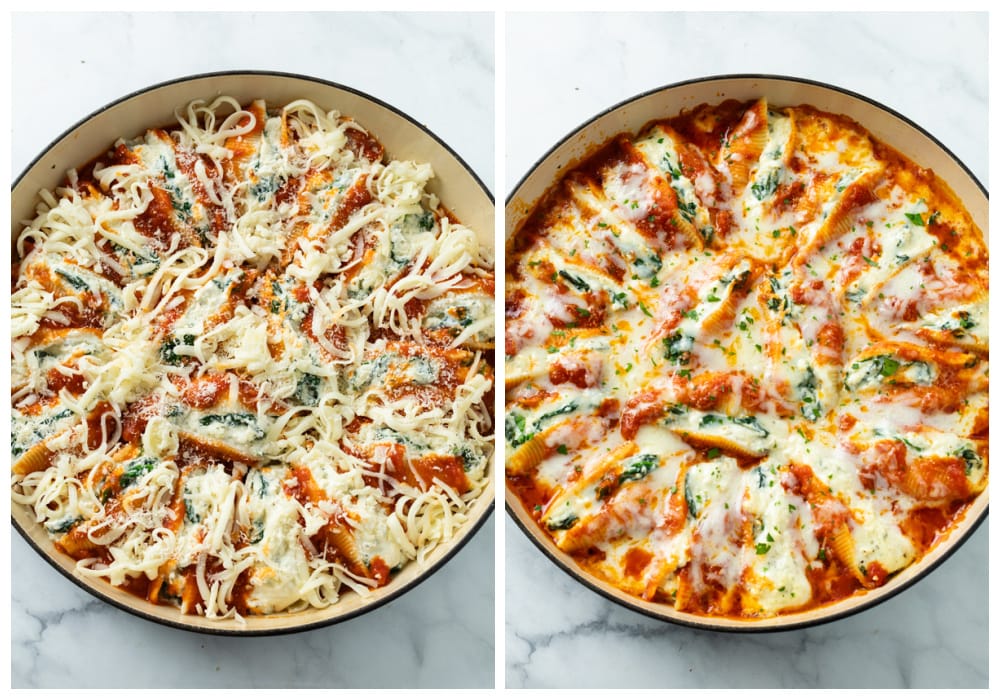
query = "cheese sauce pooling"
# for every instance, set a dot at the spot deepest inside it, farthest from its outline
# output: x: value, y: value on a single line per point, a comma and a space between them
x: 746, y: 361
x: 252, y: 362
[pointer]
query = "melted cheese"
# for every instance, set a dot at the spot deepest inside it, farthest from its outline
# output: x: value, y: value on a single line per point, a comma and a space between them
x: 723, y: 425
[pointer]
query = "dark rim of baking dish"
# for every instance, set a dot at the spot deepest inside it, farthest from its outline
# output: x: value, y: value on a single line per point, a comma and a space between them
x: 368, y: 607
x: 719, y: 624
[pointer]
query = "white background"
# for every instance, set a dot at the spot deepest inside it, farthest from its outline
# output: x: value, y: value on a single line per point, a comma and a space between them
x: 564, y: 69
x: 439, y: 70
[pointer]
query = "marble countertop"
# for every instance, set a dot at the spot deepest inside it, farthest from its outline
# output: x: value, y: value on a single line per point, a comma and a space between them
x: 438, y: 69
x: 559, y: 633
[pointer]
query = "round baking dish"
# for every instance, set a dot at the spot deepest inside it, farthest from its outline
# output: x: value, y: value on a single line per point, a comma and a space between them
x: 458, y: 188
x: 630, y: 116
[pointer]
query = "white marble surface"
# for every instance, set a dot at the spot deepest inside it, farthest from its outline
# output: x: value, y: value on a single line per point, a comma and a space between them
x: 562, y: 70
x: 438, y: 69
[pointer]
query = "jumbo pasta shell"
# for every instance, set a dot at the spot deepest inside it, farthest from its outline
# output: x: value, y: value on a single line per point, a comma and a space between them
x: 35, y: 459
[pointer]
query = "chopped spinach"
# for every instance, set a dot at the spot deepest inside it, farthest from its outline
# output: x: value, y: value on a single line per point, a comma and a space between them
x: 190, y: 514
x: 857, y: 296
x: 63, y: 525
x: 647, y: 267
x: 888, y: 366
x: 668, y: 165
x: 568, y: 408
x: 515, y: 430
x: 74, y: 281
x: 678, y: 347
x: 40, y: 428
x: 257, y: 533
x: 134, y: 469
x: 256, y: 478
x: 885, y: 367
x: 234, y: 420
x: 383, y: 434
x: 878, y: 432
x: 874, y: 369
x: 376, y: 369
x: 811, y: 410
x: 564, y: 523
x: 424, y: 221
x: 575, y: 281
x: 689, y: 496
x: 424, y: 370
x: 470, y: 457
x: 778, y: 301
x: 921, y: 371
x: 307, y: 390
x: 168, y: 172
x: 638, y: 467
x: 168, y: 349
x: 180, y: 205
x: 264, y: 188
x: 751, y: 423
x: 748, y: 422
x: 620, y: 298
x: 964, y: 323
x: 65, y: 413
x: 688, y: 209
x: 763, y: 190
x: 972, y: 459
